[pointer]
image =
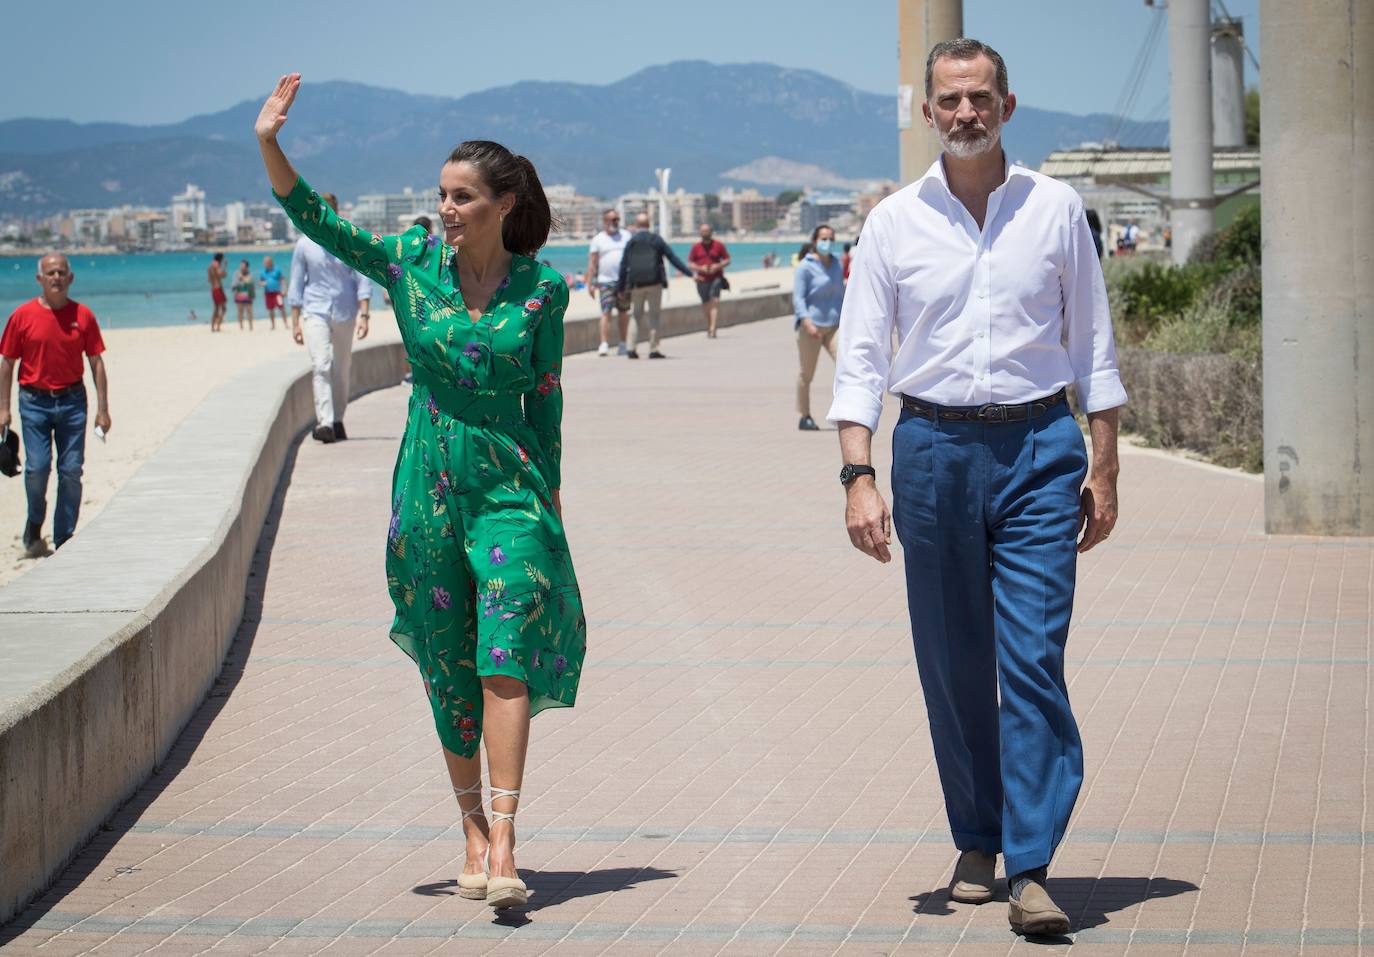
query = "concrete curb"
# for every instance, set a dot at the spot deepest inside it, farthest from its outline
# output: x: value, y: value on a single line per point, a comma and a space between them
x: 108, y: 647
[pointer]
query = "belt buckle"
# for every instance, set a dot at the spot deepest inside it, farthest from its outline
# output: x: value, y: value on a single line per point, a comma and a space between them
x: 992, y: 413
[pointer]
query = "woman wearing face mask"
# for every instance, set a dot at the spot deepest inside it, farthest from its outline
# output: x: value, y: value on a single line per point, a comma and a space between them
x: 477, y: 563
x: 817, y: 293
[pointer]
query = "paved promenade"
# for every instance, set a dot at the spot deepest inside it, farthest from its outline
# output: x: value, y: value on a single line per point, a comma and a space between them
x: 748, y: 770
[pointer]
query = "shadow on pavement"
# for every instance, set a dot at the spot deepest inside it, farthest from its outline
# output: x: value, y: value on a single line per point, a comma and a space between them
x: 550, y: 888
x: 91, y: 858
x: 1087, y: 900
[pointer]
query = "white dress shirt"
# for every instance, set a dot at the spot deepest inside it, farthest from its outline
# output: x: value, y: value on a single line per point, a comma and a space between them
x: 1008, y: 314
x: 323, y: 286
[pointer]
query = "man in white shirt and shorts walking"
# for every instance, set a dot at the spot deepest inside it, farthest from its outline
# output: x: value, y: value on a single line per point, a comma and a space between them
x: 603, y: 279
x: 988, y: 275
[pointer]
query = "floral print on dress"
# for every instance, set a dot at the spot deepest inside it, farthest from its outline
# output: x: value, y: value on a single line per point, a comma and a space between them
x: 477, y: 562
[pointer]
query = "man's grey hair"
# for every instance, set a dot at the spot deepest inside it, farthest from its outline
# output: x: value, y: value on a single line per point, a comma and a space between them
x: 61, y: 256
x: 965, y: 48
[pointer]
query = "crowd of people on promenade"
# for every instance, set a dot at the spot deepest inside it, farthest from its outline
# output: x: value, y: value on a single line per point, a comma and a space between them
x: 995, y: 492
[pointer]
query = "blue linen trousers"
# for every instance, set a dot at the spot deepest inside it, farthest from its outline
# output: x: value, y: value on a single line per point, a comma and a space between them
x: 988, y: 516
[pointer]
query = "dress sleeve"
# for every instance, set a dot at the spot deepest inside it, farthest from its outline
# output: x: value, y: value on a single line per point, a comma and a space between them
x: 354, y: 247
x: 544, y: 403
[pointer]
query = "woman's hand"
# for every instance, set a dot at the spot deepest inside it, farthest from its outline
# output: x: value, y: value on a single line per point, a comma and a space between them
x: 273, y: 115
x: 811, y: 329
x: 558, y: 504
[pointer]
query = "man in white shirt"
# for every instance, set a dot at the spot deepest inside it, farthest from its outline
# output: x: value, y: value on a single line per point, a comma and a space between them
x: 335, y: 301
x: 988, y: 274
x: 603, y: 275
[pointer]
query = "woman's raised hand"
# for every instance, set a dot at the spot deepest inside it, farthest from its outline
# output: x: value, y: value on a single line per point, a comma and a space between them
x: 273, y: 114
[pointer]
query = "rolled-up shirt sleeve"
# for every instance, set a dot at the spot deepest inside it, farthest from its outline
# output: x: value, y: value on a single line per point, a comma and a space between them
x: 1090, y: 343
x: 364, y: 288
x: 864, y: 355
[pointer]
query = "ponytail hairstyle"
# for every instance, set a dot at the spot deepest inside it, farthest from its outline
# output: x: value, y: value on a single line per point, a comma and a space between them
x: 526, y: 228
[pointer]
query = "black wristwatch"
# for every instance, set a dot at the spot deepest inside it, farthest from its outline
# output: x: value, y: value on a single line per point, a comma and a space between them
x: 850, y: 472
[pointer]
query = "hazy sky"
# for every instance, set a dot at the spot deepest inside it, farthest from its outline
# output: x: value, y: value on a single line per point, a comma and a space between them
x: 164, y: 60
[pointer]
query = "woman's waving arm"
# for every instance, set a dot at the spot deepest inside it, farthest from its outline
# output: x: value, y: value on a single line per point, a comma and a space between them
x: 312, y: 216
x: 270, y: 120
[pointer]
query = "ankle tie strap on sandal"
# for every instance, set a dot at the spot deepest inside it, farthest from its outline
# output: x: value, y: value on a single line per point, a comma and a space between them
x: 497, y: 793
x: 461, y: 793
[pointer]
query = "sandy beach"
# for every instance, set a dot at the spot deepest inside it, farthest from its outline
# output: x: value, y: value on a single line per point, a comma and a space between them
x: 158, y: 375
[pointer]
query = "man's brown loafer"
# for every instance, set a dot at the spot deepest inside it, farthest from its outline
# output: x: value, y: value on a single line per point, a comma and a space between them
x: 973, y: 877
x: 1035, y: 913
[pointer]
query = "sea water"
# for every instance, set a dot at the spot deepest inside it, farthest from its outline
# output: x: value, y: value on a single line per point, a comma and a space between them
x: 127, y: 290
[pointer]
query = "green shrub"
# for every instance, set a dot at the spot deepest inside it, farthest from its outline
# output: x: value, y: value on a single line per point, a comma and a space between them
x: 1244, y: 289
x: 1208, y: 325
x: 1145, y: 293
x: 1239, y: 242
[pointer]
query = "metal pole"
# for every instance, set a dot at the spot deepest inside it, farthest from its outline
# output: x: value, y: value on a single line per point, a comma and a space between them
x: 1228, y: 83
x: 1190, y: 124
x: 1317, y: 121
x: 920, y: 25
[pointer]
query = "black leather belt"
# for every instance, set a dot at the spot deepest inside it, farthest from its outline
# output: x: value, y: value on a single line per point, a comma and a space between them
x: 54, y: 393
x: 1020, y: 412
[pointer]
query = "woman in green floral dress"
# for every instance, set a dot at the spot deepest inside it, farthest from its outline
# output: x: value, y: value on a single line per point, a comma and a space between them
x: 477, y: 563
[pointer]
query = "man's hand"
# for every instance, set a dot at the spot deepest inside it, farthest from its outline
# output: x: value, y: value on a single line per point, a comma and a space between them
x: 102, y: 421
x: 362, y: 326
x: 811, y: 329
x: 867, y: 519
x: 5, y: 418
x: 1098, y: 515
x: 296, y: 334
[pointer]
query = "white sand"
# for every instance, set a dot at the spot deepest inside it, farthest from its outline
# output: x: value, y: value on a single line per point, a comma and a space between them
x: 157, y: 376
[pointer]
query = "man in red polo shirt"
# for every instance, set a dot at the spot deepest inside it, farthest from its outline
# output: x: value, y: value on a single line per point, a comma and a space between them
x: 48, y: 336
x: 709, y: 258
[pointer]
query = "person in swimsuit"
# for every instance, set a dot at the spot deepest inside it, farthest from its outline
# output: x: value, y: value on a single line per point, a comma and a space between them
x: 245, y: 290
x: 216, y: 274
x: 477, y: 562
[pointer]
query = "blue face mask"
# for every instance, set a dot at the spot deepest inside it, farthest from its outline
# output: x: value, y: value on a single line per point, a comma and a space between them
x: 823, y: 246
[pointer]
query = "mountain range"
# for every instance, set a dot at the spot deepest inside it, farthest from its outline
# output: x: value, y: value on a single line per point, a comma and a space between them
x: 715, y: 125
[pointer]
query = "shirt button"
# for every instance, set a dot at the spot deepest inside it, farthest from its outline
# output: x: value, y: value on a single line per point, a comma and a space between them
x: 981, y: 335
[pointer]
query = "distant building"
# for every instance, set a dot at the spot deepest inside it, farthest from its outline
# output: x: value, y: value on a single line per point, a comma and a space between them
x: 832, y: 208
x: 579, y: 215
x: 187, y: 215
x: 1126, y: 185
x: 746, y: 209
x: 393, y: 212
x: 865, y: 201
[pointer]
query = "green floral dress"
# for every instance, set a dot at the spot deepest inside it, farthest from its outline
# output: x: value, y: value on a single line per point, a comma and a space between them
x: 476, y: 559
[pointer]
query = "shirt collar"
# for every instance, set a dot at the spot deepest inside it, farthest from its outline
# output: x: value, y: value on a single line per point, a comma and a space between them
x: 936, y: 173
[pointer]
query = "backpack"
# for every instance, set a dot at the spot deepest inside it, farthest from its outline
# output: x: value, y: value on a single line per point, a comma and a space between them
x: 642, y: 262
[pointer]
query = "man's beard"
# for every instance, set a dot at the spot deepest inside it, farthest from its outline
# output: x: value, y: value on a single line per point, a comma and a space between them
x: 970, y: 141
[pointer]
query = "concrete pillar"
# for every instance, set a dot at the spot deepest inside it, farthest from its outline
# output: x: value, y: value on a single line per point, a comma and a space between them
x: 920, y: 25
x: 1228, y: 83
x: 1317, y: 118
x: 1190, y: 124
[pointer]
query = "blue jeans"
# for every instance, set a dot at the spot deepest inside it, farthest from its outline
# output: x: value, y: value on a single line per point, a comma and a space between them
x: 47, y: 421
x: 988, y: 518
